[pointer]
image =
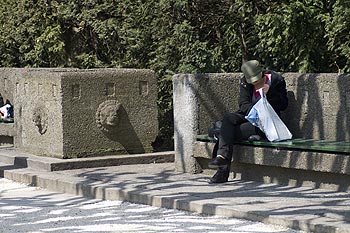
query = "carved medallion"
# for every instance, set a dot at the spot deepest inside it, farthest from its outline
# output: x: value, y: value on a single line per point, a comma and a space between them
x: 108, y: 115
x: 40, y: 119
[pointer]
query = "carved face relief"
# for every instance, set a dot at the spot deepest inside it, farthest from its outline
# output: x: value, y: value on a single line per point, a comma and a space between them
x: 108, y: 115
x: 40, y: 119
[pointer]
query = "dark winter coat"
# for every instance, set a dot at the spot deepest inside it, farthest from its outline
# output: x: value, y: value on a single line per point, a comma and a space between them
x: 276, y: 96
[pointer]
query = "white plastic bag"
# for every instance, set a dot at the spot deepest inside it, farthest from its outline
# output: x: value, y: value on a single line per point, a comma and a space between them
x: 5, y: 111
x: 264, y: 116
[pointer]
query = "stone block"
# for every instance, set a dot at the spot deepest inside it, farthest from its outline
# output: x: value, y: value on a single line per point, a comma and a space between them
x: 69, y: 113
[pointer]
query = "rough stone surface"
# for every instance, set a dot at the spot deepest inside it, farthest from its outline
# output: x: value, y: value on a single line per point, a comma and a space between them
x: 185, y: 121
x: 69, y: 113
x: 319, y: 106
x: 9, y: 77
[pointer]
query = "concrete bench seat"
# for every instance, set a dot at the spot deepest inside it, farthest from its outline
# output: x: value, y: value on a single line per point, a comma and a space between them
x: 318, y: 116
x: 310, y: 154
x: 313, y: 145
x: 6, y: 120
x: 297, y: 162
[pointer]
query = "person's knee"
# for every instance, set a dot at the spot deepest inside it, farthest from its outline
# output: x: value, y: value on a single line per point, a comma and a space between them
x: 232, y: 118
x: 228, y: 117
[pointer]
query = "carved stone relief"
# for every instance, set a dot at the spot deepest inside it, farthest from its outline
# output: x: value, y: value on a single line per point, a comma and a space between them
x: 40, y: 118
x: 108, y: 116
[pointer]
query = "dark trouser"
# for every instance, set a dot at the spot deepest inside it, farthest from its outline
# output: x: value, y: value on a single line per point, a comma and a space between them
x: 234, y: 128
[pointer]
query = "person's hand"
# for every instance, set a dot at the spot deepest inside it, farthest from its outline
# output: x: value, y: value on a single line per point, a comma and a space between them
x: 266, y: 88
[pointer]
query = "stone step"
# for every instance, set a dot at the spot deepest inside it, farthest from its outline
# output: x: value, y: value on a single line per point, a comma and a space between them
x: 302, y: 208
x: 10, y: 156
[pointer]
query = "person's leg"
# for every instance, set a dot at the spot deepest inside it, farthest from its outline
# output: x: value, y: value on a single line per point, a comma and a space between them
x: 247, y: 129
x: 228, y: 133
x: 222, y: 160
x: 222, y: 174
x: 239, y: 132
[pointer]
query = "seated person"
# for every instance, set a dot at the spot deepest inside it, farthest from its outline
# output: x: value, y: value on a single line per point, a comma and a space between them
x: 234, y: 125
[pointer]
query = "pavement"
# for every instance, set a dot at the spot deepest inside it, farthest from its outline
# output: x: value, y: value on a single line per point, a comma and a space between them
x: 158, y: 184
x: 25, y: 209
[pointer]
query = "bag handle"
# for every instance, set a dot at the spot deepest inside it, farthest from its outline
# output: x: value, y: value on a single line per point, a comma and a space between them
x: 261, y: 92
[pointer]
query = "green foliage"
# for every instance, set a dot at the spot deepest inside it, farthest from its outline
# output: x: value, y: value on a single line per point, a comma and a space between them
x: 291, y: 37
x: 176, y: 36
x: 338, y: 35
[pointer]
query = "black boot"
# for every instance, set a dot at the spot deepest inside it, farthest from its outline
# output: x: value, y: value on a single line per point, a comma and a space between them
x: 218, y: 162
x: 221, y: 176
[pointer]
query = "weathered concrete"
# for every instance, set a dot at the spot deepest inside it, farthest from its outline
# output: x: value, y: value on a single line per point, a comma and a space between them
x: 199, y: 100
x: 309, y: 209
x: 319, y: 108
x: 69, y: 113
x: 7, y: 133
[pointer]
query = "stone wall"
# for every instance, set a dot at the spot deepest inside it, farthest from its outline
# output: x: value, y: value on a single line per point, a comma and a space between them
x: 319, y: 108
x: 69, y: 113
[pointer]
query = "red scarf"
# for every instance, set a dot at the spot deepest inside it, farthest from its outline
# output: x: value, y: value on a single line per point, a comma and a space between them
x: 267, y: 81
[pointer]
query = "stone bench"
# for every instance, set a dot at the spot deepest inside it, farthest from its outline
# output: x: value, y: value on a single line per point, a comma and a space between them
x: 319, y: 110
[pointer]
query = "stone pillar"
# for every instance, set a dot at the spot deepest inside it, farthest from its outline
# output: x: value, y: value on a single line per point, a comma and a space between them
x: 199, y: 100
x: 185, y: 121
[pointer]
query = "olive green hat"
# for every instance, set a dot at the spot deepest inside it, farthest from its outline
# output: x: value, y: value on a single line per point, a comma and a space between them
x: 252, y: 71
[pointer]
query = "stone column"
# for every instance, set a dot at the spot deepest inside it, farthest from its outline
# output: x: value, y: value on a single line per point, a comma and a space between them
x: 185, y: 121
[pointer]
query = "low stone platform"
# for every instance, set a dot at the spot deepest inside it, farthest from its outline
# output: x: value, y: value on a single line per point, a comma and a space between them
x: 9, y: 155
x: 306, y: 208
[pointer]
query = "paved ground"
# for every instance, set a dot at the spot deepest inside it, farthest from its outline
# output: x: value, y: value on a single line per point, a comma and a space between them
x: 301, y: 208
x: 31, y: 209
